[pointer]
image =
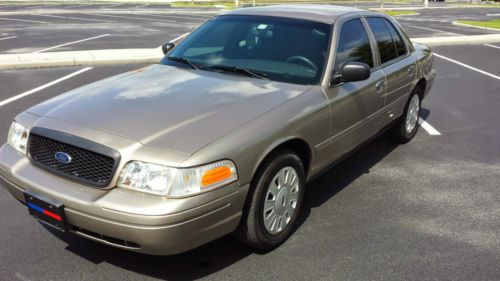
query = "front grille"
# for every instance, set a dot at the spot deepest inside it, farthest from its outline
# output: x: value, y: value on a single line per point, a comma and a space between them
x: 85, y: 166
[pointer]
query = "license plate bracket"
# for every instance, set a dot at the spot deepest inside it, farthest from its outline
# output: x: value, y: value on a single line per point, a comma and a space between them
x: 46, y: 210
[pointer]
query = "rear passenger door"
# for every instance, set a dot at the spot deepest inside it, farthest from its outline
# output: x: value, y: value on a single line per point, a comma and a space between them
x: 396, y: 63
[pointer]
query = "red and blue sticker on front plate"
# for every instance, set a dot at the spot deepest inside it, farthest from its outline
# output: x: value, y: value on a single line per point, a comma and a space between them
x: 46, y: 210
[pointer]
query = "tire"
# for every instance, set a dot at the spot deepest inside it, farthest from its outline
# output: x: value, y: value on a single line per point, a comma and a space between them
x: 399, y: 132
x: 252, y: 229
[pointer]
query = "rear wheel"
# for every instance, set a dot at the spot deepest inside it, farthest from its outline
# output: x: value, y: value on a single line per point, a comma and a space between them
x: 274, y: 201
x: 407, y: 126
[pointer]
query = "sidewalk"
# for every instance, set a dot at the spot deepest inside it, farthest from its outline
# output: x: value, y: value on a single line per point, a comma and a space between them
x: 131, y: 56
x: 72, y: 58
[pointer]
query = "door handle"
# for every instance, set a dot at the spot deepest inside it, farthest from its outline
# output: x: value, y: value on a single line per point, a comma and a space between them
x: 379, y: 85
x: 411, y: 70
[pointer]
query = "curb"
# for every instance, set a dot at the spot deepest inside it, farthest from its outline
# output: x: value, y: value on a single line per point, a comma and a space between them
x: 206, y: 11
x: 406, y: 15
x: 153, y: 55
x: 414, y: 8
x: 458, y: 40
x: 475, y: 26
x: 74, y: 58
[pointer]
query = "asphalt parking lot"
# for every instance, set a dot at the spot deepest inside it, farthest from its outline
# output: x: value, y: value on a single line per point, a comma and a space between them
x: 42, y: 28
x: 94, y: 27
x: 426, y: 210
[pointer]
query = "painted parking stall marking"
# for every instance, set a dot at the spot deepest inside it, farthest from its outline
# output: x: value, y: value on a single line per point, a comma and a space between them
x: 180, y: 37
x: 468, y: 66
x: 492, y: 46
x: 114, y: 5
x: 10, y: 37
x: 33, y: 21
x: 75, y: 18
x: 70, y: 43
x: 436, y: 30
x: 32, y: 91
x: 179, y: 17
x: 126, y: 17
x: 428, y: 128
x: 67, y: 7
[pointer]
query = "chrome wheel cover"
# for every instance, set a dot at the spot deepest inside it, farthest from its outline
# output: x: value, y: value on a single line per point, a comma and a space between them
x: 412, y: 114
x: 281, y: 200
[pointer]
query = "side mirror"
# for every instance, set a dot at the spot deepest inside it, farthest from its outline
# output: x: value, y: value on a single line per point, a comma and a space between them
x: 167, y: 47
x: 352, y: 72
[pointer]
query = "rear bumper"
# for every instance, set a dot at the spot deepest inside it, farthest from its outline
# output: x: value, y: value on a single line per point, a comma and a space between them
x: 127, y: 219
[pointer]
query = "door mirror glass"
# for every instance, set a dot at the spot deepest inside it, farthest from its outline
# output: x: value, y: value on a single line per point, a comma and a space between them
x: 167, y: 47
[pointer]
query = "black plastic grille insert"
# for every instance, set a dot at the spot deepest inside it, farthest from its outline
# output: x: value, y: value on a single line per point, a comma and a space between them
x: 86, y: 166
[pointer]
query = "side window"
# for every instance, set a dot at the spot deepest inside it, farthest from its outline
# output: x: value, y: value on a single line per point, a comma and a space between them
x: 353, y: 45
x: 383, y: 37
x: 398, y: 41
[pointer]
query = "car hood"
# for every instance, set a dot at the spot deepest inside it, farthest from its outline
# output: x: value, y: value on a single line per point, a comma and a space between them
x: 169, y: 107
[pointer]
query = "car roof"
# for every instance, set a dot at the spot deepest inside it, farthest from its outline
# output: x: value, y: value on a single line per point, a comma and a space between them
x: 312, y: 12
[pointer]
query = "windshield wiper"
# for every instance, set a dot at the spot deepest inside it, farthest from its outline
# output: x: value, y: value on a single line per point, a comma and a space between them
x: 238, y: 69
x: 185, y: 61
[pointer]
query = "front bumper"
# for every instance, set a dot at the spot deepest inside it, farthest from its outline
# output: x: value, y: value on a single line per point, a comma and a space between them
x: 128, y: 219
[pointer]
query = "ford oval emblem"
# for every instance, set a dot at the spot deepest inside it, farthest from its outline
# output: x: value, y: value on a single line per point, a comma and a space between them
x: 63, y: 157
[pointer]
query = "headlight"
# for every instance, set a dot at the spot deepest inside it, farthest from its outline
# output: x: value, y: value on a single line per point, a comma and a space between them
x: 173, y: 182
x: 18, y: 137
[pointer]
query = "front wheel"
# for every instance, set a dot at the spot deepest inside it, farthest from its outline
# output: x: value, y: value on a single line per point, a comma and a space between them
x: 407, y: 126
x: 274, y: 201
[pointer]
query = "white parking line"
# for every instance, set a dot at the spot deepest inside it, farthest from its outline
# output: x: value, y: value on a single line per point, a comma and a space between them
x: 493, y: 46
x: 180, y: 17
x: 69, y: 43
x: 180, y: 37
x: 35, y: 21
x: 75, y: 18
x: 426, y: 126
x: 492, y: 15
x: 141, y: 18
x: 468, y: 66
x: 32, y: 91
x: 76, y: 6
x: 10, y: 37
x: 431, y: 29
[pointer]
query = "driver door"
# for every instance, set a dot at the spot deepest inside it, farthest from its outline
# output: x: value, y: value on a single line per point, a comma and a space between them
x: 356, y: 113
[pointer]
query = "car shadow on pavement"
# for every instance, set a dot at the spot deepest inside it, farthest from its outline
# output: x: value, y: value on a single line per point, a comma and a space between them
x: 191, y: 265
x: 226, y: 251
x: 334, y: 180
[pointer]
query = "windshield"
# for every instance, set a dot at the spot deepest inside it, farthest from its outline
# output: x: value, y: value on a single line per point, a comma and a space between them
x: 279, y: 49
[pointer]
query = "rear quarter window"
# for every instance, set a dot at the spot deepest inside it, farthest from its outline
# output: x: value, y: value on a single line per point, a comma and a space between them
x: 396, y: 37
x: 384, y: 39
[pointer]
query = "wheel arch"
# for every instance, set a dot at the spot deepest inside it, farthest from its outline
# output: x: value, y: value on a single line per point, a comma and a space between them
x: 295, y: 144
x: 422, y: 84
